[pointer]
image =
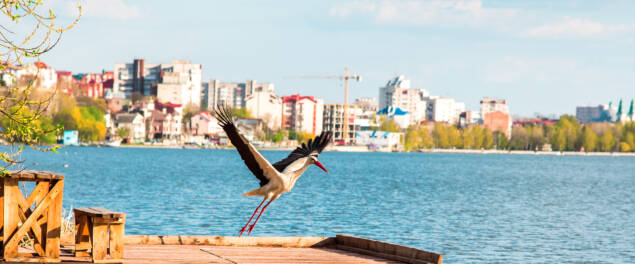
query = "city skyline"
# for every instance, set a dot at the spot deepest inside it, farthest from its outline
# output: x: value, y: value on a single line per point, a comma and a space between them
x: 545, y: 58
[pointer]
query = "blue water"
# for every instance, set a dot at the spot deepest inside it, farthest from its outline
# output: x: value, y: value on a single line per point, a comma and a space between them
x: 472, y: 208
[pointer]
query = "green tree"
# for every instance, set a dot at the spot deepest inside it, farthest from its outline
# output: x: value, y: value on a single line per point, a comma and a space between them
x: 629, y: 139
x: 241, y: 112
x: 607, y: 141
x: 589, y: 139
x: 519, y: 139
x: 440, y: 136
x: 123, y: 132
x: 488, y: 139
x: 388, y: 125
x: 500, y: 140
x: 558, y: 139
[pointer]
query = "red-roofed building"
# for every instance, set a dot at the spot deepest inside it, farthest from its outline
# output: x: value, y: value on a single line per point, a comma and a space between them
x: 94, y: 85
x: 65, y: 82
x: 302, y: 113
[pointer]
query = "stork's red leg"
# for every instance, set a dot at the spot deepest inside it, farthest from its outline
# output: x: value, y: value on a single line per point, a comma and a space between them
x: 262, y: 211
x: 252, y: 217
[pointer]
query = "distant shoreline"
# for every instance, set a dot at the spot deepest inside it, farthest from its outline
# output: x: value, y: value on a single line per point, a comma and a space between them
x: 447, y: 151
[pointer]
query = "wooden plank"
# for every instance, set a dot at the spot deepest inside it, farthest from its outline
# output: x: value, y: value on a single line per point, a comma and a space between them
x: 117, y: 239
x: 227, y: 241
x: 15, y: 238
x: 43, y: 175
x: 36, y: 231
x: 99, y: 241
x: 11, y: 218
x: 55, y: 176
x: 82, y: 235
x: 100, y: 212
x: 1, y: 217
x: 38, y: 193
x: 54, y: 223
x: 385, y: 250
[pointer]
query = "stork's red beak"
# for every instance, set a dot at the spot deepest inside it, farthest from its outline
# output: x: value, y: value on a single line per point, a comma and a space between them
x: 320, y: 165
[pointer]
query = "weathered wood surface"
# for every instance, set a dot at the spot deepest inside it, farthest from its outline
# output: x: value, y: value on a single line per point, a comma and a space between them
x: 227, y: 241
x: 230, y: 254
x: 386, y: 250
x: 99, y: 212
x: 30, y: 175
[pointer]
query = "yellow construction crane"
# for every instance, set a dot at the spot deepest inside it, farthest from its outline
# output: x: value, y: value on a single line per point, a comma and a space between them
x: 345, y: 77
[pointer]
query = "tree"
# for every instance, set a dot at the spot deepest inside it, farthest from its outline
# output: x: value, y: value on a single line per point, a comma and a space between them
x: 519, y: 139
x: 241, y: 112
x: 20, y: 111
x: 123, y: 132
x: 607, y: 141
x: 488, y: 140
x: 589, y: 139
x: 440, y: 136
x: 388, y: 125
x: 417, y: 137
x: 558, y: 139
x: 629, y: 139
x: 500, y: 140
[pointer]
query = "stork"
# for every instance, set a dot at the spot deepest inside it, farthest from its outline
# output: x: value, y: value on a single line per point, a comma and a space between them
x: 274, y: 179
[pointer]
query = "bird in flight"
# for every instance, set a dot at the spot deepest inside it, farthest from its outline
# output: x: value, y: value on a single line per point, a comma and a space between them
x: 276, y: 178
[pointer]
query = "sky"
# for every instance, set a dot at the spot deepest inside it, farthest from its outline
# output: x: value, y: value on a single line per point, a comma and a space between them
x: 543, y: 57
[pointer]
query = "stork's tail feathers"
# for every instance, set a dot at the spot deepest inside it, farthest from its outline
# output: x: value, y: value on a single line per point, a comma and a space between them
x: 256, y: 192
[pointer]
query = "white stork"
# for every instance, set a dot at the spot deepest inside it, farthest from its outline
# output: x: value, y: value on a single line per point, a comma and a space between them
x: 277, y: 178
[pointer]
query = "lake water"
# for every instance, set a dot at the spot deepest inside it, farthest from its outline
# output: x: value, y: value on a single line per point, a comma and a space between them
x: 472, y: 208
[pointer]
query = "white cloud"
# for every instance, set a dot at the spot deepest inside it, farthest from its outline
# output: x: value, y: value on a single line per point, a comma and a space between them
x: 418, y: 13
x: 107, y: 9
x: 573, y: 27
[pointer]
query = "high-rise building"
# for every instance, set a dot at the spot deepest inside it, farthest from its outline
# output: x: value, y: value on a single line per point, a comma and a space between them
x: 397, y: 93
x: 588, y: 114
x: 333, y: 121
x: 180, y: 80
x: 495, y: 114
x: 302, y: 114
x: 232, y: 93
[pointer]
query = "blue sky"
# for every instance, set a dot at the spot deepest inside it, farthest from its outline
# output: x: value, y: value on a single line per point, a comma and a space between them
x: 542, y: 56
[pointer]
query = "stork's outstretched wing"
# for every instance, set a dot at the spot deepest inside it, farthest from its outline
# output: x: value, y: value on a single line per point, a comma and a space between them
x: 313, y: 147
x: 257, y: 164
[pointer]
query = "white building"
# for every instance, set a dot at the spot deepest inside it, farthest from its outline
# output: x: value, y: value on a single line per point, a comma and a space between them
x: 442, y: 109
x: 145, y: 79
x: 134, y: 123
x: 397, y: 93
x: 45, y: 77
x: 232, y: 94
x: 205, y: 124
x: 302, y: 114
x: 264, y: 104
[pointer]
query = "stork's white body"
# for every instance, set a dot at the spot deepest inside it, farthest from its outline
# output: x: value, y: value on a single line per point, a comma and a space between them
x: 281, y: 182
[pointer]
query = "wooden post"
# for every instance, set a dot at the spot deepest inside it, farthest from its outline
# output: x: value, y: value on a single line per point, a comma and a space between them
x: 54, y: 223
x: 10, y: 216
x: 82, y: 235
x: 117, y: 238
x: 100, y: 240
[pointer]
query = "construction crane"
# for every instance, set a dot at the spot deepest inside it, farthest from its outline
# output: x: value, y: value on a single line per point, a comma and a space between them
x: 344, y: 77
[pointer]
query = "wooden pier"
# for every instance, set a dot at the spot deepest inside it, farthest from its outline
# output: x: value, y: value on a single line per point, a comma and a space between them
x: 218, y: 249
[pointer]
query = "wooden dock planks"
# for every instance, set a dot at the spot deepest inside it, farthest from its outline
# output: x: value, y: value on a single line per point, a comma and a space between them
x: 232, y: 254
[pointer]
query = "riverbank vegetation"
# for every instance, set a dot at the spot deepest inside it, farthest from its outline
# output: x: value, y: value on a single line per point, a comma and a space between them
x: 566, y: 135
